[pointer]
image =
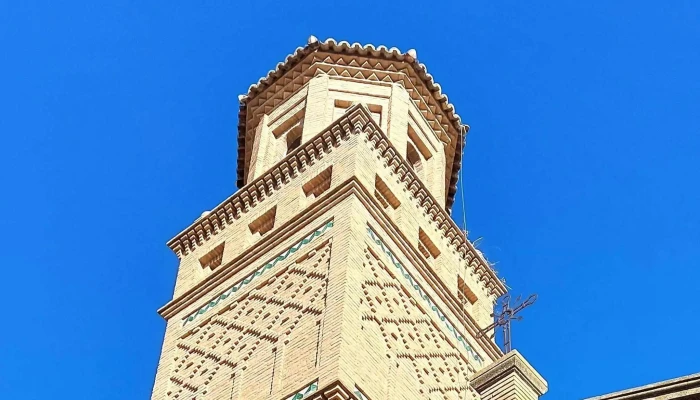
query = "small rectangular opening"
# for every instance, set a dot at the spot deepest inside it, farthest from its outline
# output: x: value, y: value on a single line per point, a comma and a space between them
x: 263, y: 223
x: 385, y: 196
x: 376, y: 112
x: 426, y: 246
x: 318, y: 184
x: 342, y: 103
x: 296, y: 120
x: 466, y: 296
x: 293, y: 136
x: 212, y: 259
x: 340, y: 107
x: 418, y: 142
x: 414, y: 159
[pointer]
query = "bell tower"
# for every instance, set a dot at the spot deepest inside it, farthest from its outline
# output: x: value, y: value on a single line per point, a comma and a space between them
x: 336, y: 271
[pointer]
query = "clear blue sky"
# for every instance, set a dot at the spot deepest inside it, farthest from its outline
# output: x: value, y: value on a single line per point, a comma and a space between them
x: 118, y: 126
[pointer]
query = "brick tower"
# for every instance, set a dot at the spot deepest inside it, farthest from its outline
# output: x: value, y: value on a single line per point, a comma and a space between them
x: 336, y: 271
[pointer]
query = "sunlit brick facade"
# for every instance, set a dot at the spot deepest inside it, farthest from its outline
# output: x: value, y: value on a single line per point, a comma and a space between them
x: 336, y: 271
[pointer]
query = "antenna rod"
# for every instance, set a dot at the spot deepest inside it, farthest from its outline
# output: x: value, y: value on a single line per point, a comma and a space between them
x: 504, y: 317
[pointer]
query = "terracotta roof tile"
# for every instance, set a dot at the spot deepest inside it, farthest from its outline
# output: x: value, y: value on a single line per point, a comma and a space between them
x: 343, y: 47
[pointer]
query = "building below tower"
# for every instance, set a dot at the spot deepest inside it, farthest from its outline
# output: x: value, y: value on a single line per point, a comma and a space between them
x: 683, y: 388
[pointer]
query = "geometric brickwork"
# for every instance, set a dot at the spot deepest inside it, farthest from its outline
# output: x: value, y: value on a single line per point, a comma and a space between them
x: 421, y: 293
x: 236, y: 351
x: 352, y: 61
x: 427, y: 362
x: 359, y: 140
x: 259, y: 272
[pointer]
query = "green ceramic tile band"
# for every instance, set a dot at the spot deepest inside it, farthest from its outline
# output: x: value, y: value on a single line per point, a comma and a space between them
x: 304, y: 392
x: 424, y: 296
x: 247, y: 280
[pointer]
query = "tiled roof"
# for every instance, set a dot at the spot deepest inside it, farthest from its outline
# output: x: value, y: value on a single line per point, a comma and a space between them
x: 368, y: 50
x: 683, y: 388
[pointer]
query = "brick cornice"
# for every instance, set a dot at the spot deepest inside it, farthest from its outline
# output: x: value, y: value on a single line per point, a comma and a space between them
x: 356, y: 121
x: 411, y: 252
x: 333, y: 391
x: 336, y: 195
x: 264, y: 246
x: 430, y: 90
x: 300, y: 66
x: 440, y: 218
x: 257, y: 190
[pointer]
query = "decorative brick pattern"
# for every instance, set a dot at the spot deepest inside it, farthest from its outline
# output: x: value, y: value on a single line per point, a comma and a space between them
x: 356, y: 121
x: 262, y: 321
x: 283, y: 320
x: 410, y: 335
x: 421, y: 293
x: 257, y: 273
x: 352, y: 61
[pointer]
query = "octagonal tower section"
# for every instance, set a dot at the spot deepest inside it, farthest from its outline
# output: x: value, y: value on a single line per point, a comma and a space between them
x: 319, y: 82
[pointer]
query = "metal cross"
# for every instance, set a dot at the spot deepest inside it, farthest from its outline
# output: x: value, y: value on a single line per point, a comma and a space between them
x: 504, y: 317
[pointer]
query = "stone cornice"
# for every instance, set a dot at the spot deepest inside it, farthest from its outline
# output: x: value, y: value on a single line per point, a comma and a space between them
x: 357, y: 120
x: 511, y: 363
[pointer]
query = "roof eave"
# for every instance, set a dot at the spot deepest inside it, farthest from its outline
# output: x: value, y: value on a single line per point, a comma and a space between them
x: 344, y: 47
